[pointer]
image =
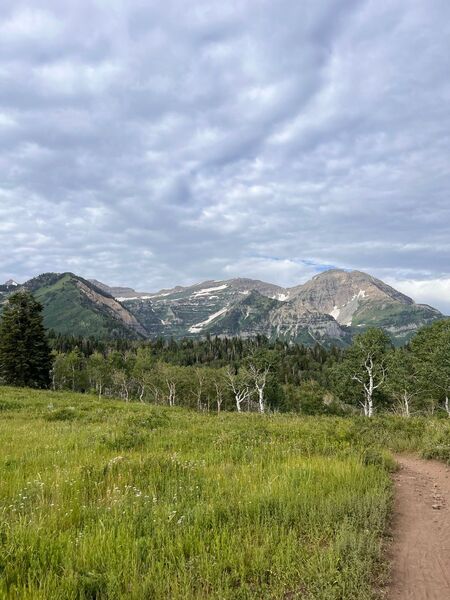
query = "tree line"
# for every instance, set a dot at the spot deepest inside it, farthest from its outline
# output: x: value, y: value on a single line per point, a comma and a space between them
x: 216, y: 374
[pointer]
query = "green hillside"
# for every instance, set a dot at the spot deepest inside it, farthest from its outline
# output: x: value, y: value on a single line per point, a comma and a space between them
x: 75, y: 306
x: 400, y: 321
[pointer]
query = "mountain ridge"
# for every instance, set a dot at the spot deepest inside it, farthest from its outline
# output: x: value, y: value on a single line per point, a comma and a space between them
x: 329, y: 309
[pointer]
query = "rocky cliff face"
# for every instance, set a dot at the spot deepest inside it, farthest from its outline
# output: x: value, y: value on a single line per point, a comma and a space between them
x: 294, y: 320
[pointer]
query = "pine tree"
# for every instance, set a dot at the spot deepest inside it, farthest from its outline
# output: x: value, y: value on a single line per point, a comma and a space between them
x: 25, y: 358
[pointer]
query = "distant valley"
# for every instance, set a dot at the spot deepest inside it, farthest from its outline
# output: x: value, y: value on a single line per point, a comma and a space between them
x: 329, y: 309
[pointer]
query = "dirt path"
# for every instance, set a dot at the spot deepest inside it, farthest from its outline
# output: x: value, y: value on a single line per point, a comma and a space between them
x: 421, y: 530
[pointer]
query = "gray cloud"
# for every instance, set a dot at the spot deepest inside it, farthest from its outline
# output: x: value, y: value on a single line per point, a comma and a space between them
x: 152, y: 144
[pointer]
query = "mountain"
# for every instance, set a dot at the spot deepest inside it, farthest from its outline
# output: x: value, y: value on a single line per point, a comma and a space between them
x: 358, y: 300
x: 73, y: 305
x: 289, y: 321
x: 189, y: 311
x: 329, y: 309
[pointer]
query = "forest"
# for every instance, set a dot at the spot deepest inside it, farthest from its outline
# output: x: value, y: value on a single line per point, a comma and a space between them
x: 217, y: 374
x: 221, y: 374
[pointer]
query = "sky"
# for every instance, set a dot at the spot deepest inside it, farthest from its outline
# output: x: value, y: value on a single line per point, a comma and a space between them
x: 152, y: 144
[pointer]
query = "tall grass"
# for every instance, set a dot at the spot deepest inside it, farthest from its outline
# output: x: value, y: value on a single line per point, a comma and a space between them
x: 104, y: 500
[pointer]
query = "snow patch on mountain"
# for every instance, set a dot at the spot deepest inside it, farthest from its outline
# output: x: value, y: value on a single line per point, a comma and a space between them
x: 207, y: 291
x: 133, y: 298
x: 344, y: 313
x: 360, y: 294
x: 335, y: 312
x: 199, y: 326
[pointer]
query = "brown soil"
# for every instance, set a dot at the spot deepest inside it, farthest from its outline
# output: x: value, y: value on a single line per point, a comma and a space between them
x: 421, y: 531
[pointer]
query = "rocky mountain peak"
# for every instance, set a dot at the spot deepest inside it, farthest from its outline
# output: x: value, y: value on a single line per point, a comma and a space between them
x: 344, y: 294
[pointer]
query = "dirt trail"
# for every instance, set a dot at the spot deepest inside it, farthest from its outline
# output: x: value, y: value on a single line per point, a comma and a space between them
x: 421, y: 531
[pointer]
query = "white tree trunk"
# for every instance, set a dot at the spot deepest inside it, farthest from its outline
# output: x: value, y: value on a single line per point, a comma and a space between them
x: 370, y: 392
x: 240, y: 393
x: 261, y: 402
x: 370, y: 407
x: 365, y: 405
x: 259, y: 377
x: 172, y: 392
x: 406, y: 410
x: 240, y: 396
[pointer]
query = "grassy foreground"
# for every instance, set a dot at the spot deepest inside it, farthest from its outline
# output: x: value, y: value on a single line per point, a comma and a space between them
x: 103, y: 500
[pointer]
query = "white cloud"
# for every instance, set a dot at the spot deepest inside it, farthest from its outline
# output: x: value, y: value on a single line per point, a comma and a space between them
x: 282, y: 272
x: 246, y: 138
x: 29, y: 23
x: 435, y: 292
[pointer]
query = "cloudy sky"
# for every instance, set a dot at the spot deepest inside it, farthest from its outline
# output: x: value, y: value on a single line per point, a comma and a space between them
x: 160, y: 143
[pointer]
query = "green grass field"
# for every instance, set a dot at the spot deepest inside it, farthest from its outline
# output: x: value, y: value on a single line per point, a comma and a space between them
x: 104, y: 500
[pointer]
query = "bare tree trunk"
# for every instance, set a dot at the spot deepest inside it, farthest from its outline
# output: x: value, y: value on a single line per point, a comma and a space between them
x: 259, y: 377
x: 447, y: 405
x: 141, y: 393
x: 262, y: 407
x: 365, y: 404
x: 370, y: 386
x: 370, y: 395
x: 172, y: 392
x: 240, y: 393
x: 406, y: 410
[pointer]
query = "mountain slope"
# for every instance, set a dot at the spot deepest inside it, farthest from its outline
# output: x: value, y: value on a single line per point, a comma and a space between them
x: 75, y: 306
x: 188, y: 311
x: 291, y: 321
x: 249, y: 316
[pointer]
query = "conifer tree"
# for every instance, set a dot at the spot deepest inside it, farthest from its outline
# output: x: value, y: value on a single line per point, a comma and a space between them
x: 25, y: 358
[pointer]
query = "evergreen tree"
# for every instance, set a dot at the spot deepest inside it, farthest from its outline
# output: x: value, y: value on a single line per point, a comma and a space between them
x: 25, y: 358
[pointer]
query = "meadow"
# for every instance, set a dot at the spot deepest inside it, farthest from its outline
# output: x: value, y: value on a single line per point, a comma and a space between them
x: 110, y: 500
